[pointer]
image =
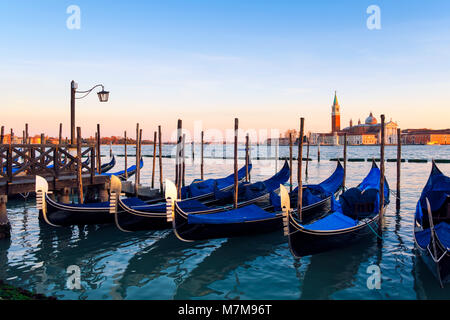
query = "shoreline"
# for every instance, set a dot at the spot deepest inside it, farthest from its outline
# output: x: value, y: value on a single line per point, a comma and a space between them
x: 10, y: 292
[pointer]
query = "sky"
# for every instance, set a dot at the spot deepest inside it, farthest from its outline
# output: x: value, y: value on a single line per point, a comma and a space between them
x: 266, y: 62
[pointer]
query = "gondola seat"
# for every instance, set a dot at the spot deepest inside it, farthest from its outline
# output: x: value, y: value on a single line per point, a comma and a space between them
x: 203, y: 187
x: 335, y: 221
x: 440, y: 215
x: 442, y: 231
x: 358, y: 204
x: 310, y: 196
x: 245, y: 214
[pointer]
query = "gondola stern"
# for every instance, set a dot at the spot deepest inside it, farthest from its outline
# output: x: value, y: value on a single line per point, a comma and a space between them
x: 286, y: 208
x: 41, y: 189
x: 171, y: 197
x: 114, y: 195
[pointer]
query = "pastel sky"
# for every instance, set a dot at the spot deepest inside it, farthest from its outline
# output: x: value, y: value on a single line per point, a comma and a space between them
x: 266, y: 62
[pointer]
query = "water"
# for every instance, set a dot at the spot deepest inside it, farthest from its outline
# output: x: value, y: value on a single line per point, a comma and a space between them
x: 155, y: 265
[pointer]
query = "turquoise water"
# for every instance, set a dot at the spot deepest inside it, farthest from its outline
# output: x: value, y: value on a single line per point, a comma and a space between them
x: 155, y: 265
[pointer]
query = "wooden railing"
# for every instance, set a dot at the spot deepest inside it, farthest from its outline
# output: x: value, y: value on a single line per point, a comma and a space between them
x: 17, y: 160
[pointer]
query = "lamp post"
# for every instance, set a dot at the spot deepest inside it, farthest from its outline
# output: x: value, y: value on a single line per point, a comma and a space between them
x: 103, y: 96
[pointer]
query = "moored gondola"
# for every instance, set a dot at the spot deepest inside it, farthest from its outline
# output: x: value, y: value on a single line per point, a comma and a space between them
x: 153, y: 216
x: 432, y: 225
x: 59, y: 214
x: 252, y: 218
x: 353, y: 217
x: 106, y: 167
x: 121, y: 174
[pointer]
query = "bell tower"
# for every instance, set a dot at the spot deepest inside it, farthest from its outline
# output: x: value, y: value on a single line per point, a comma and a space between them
x: 335, y: 115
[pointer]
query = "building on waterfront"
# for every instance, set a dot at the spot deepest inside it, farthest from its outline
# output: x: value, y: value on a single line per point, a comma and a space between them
x: 367, y: 133
x: 426, y: 136
x: 19, y: 139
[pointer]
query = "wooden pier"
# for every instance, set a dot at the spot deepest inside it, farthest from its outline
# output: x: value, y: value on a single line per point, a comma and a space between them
x: 58, y: 164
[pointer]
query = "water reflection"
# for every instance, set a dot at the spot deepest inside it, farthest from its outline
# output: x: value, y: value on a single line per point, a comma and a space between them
x: 167, y: 257
x: 333, y: 271
x: 232, y: 254
x: 426, y: 285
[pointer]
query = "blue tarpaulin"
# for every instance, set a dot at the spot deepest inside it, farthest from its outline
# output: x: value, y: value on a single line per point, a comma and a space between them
x: 436, y: 191
x: 442, y: 232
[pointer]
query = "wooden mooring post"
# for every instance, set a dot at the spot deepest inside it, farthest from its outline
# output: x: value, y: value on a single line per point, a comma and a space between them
x: 136, y: 176
x: 183, y: 168
x: 42, y: 148
x: 277, y: 141
x: 307, y: 157
x: 299, y: 173
x: 79, y: 168
x: 178, y: 158
x: 224, y: 145
x: 202, y: 157
x: 160, y: 161
x: 290, y: 162
x: 5, y: 226
x: 155, y: 136
x: 236, y: 179
x: 247, y: 175
x: 126, y: 154
x: 399, y: 167
x: 25, y: 141
x: 99, y: 154
x: 318, y: 149
x: 138, y: 164
x: 382, y: 170
x: 60, y: 133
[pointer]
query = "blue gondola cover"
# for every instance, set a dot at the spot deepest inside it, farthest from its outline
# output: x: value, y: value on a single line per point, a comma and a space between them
x: 248, y: 213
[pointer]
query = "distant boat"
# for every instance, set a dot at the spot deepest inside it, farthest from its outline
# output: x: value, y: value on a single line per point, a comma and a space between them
x: 432, y: 143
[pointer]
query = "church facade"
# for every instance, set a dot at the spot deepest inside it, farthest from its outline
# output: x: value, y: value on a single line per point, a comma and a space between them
x: 367, y: 133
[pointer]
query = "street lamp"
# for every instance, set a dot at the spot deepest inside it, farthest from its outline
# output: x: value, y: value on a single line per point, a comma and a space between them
x: 103, y: 96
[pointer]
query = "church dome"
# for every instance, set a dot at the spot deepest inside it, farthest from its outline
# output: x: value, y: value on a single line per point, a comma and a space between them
x: 371, y: 120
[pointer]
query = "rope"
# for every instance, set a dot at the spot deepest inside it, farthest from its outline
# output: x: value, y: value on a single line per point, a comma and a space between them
x: 380, y: 237
x: 25, y: 196
x: 394, y: 193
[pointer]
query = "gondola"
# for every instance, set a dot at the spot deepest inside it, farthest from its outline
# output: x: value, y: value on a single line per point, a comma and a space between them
x: 353, y: 217
x: 195, y: 197
x: 432, y: 225
x: 121, y: 174
x: 60, y: 214
x: 108, y: 166
x: 253, y: 218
